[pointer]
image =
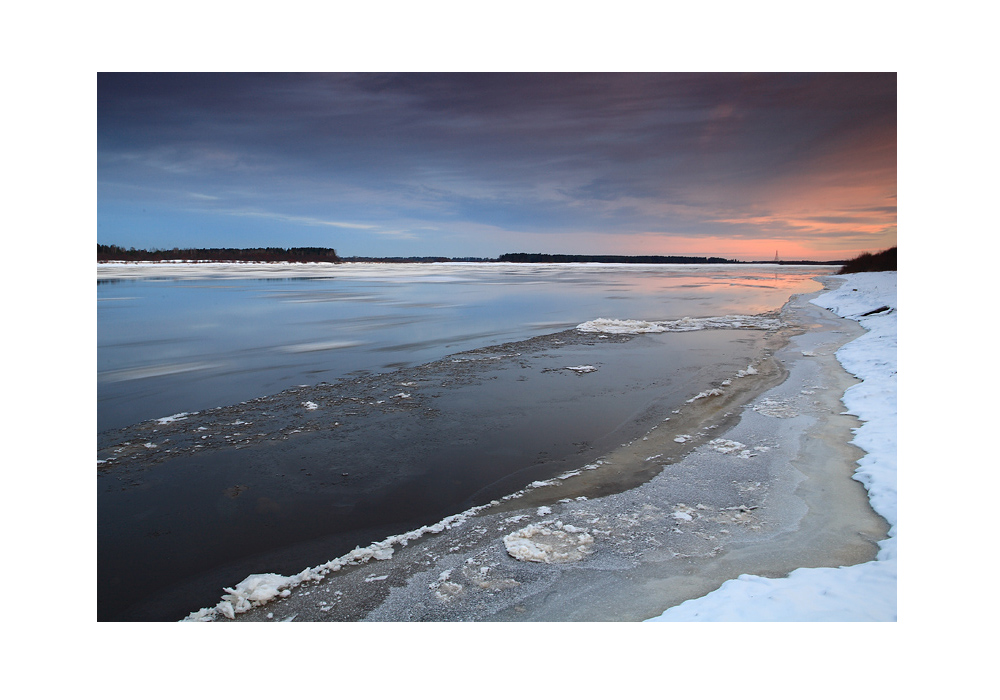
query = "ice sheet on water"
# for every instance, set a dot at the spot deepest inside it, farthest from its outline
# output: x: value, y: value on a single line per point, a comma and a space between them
x: 630, y: 327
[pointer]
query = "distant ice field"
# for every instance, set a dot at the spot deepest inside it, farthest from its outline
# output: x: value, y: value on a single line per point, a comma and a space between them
x: 175, y: 337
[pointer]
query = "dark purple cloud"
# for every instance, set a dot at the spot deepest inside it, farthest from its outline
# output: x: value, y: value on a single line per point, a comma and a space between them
x: 513, y: 157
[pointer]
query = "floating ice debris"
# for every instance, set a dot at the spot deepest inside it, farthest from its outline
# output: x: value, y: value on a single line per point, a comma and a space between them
x: 252, y: 591
x: 705, y: 394
x: 401, y: 395
x: 731, y: 447
x: 174, y: 418
x: 310, y: 406
x: 583, y: 369
x: 549, y: 543
x: 776, y: 408
x: 683, y: 513
x: 538, y: 484
x: 517, y: 518
x: 445, y: 590
x: 682, y: 438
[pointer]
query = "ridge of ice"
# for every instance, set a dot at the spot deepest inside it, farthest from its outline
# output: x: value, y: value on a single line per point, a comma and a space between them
x: 631, y: 327
x: 257, y: 589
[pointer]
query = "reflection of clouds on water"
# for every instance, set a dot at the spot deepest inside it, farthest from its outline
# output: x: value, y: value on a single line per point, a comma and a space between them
x: 245, y: 316
x: 122, y: 375
x: 322, y: 345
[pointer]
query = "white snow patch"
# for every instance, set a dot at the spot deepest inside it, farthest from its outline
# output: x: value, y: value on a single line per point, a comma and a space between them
x: 705, y: 395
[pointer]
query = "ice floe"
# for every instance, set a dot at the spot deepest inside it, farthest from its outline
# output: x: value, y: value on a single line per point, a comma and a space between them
x: 549, y: 542
x: 174, y: 418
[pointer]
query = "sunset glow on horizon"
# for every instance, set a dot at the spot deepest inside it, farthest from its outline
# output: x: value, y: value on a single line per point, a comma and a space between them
x: 739, y: 166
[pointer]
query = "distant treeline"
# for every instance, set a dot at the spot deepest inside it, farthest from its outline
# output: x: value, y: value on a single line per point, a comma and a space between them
x: 641, y: 259
x: 426, y: 259
x: 106, y: 253
x: 871, y: 262
x: 114, y: 252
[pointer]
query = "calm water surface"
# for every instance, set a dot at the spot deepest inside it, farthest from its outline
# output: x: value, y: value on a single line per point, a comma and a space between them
x: 175, y: 338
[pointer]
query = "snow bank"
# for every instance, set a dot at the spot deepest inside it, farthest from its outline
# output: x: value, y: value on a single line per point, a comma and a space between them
x: 630, y: 327
x: 866, y: 592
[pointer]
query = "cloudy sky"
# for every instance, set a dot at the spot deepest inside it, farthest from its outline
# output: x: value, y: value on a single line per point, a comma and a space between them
x: 733, y: 165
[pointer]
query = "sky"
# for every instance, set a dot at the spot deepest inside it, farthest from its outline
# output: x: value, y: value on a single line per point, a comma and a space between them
x: 741, y: 166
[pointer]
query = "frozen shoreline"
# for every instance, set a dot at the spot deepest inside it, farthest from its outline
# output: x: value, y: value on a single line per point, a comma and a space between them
x: 863, y: 592
x: 446, y: 589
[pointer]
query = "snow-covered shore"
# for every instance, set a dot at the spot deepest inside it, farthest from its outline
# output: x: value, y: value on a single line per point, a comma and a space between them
x: 864, y: 592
